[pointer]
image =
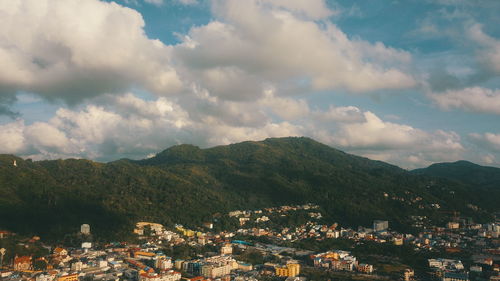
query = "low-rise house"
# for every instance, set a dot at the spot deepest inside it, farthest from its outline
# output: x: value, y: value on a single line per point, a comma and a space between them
x: 23, y: 263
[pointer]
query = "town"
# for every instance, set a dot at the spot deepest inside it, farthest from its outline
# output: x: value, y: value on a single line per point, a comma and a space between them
x: 264, y: 247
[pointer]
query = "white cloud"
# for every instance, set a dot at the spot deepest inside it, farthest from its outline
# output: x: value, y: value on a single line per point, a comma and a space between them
x: 76, y: 49
x: 475, y: 99
x: 313, y: 9
x: 489, y: 159
x: 243, y: 76
x: 364, y: 133
x: 487, y: 140
x: 285, y: 108
x: 489, y: 51
x: 45, y: 136
x: 12, y: 137
x: 374, y: 133
x: 254, y: 44
x: 345, y: 114
x: 127, y: 126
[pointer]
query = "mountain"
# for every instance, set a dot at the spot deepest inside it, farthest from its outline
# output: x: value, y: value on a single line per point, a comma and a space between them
x: 465, y: 172
x: 188, y: 185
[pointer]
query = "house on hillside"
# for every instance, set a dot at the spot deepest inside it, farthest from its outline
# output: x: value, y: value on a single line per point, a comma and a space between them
x: 23, y: 263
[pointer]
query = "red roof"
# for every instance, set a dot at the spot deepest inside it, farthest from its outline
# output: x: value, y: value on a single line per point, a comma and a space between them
x: 22, y: 259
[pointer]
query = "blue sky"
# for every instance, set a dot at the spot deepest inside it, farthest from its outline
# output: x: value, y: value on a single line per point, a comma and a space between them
x: 407, y: 82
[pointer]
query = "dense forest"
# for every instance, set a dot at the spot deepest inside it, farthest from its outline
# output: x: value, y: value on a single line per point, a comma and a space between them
x: 188, y: 185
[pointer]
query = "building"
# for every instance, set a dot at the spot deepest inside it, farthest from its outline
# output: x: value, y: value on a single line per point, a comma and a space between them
x: 291, y: 269
x: 144, y: 255
x: 344, y: 265
x: 245, y: 266
x: 446, y: 264
x: 4, y: 234
x: 214, y: 270
x: 178, y: 264
x: 163, y: 263
x: 365, y: 268
x: 70, y: 277
x: 23, y: 263
x: 408, y: 274
x: 167, y: 276
x: 379, y: 225
x: 192, y: 267
x: 85, y: 229
x: 453, y: 225
x: 398, y: 241
x: 77, y: 266
x: 197, y: 278
x: 226, y: 249
x: 155, y: 228
x: 60, y: 252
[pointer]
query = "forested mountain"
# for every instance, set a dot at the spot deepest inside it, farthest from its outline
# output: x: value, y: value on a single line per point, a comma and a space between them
x: 188, y: 185
x: 464, y: 171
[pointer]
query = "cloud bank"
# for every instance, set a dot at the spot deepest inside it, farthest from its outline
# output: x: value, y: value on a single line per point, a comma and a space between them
x: 247, y: 74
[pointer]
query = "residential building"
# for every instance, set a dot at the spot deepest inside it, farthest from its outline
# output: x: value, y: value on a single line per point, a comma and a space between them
x: 291, y: 269
x: 23, y: 263
x: 70, y: 277
x: 227, y: 249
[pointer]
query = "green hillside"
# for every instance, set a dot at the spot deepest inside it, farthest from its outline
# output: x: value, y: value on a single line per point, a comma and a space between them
x: 188, y: 185
x: 464, y: 171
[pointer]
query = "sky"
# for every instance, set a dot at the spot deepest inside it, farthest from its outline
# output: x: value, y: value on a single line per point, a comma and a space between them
x: 409, y: 82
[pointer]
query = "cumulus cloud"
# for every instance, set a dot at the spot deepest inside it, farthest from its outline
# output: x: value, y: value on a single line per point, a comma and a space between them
x: 313, y: 9
x: 343, y: 114
x: 367, y: 134
x: 75, y: 50
x: 489, y: 51
x: 489, y: 159
x: 128, y: 126
x: 243, y: 76
x: 254, y: 44
x: 285, y: 108
x: 72, y: 50
x: 12, y: 137
x: 44, y: 135
x: 475, y: 99
x: 488, y: 140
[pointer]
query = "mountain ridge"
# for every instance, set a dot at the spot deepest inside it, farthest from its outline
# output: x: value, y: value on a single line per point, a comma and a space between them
x: 186, y: 184
x: 463, y: 171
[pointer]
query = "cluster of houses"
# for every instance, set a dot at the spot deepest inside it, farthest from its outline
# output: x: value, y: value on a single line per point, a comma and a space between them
x: 260, y: 216
x: 145, y: 261
x: 338, y: 260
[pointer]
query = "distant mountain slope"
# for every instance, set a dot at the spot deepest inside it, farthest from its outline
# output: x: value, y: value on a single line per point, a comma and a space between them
x: 188, y: 185
x: 465, y: 172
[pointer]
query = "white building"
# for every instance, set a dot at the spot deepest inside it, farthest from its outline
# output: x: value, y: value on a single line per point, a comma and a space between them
x: 85, y: 229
